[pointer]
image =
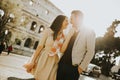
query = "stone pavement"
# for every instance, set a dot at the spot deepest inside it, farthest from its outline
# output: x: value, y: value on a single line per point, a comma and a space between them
x: 12, y: 66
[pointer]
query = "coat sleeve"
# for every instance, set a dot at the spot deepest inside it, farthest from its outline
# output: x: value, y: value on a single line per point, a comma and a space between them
x: 43, y: 38
x: 90, y: 49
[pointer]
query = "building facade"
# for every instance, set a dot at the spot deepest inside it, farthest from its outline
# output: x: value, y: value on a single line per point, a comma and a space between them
x: 37, y: 15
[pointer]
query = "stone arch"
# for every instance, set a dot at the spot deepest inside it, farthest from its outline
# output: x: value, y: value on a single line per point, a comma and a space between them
x: 41, y: 29
x: 33, y: 26
x: 28, y: 42
x: 18, y: 41
x: 36, y: 44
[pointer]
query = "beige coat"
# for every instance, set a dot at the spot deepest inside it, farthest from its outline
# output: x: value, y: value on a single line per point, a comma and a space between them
x: 83, y: 48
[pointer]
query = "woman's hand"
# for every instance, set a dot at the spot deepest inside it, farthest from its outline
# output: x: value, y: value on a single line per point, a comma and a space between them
x: 29, y: 66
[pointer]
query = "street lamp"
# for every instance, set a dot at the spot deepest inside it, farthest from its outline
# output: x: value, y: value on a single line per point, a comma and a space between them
x: 1, y: 13
x: 6, y: 32
x: 4, y: 19
x: 31, y: 2
x: 11, y: 16
x: 4, y: 35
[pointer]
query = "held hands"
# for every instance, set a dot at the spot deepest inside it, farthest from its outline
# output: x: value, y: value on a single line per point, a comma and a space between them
x: 29, y: 66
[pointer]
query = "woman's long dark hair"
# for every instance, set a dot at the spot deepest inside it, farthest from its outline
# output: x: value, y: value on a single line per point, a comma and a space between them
x: 57, y: 25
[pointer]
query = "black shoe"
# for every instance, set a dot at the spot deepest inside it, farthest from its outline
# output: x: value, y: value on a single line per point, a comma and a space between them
x: 15, y: 78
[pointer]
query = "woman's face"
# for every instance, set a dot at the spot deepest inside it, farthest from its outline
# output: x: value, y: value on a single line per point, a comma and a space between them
x: 65, y: 23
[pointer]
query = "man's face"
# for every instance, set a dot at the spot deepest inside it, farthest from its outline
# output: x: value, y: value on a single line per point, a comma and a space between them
x: 75, y: 19
x: 72, y: 19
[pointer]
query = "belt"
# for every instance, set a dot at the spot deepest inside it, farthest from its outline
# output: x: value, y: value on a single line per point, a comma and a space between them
x: 75, y: 65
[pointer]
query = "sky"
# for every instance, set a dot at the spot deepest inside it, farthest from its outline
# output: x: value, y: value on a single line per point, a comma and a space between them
x: 98, y: 14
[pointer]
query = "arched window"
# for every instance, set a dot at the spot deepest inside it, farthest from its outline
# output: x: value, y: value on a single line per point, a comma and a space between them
x: 28, y: 42
x: 18, y: 41
x: 36, y: 44
x: 33, y: 26
x: 41, y: 29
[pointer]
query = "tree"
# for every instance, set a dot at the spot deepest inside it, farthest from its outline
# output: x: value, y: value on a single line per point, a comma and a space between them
x: 109, y: 44
x: 12, y: 9
x: 12, y: 13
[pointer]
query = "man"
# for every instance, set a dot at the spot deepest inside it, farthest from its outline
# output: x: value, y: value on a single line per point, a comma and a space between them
x: 79, y: 52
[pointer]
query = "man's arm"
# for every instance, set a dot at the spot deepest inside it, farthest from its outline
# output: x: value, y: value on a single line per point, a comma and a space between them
x: 90, y: 45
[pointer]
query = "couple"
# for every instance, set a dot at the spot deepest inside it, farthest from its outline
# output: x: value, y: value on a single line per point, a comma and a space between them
x: 77, y: 49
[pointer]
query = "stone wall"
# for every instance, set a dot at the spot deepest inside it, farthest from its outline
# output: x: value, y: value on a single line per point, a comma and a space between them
x: 35, y: 13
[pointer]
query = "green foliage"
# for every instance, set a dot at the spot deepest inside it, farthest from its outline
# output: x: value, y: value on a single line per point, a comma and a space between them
x: 109, y: 43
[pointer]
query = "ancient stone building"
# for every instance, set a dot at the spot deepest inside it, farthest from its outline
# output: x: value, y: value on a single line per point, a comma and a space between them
x: 36, y: 16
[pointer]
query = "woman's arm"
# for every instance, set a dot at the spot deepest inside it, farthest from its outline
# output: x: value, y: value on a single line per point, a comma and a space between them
x: 67, y: 39
x: 36, y: 53
x: 40, y: 46
x: 31, y: 63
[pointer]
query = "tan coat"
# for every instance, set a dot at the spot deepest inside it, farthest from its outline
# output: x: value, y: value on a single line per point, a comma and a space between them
x: 83, y: 48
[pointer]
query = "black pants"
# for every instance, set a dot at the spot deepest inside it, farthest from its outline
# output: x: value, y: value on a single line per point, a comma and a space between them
x: 67, y: 72
x: 9, y: 52
x: 0, y: 52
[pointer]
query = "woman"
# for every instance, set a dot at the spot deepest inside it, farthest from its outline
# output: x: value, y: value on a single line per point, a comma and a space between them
x: 9, y: 49
x: 43, y: 64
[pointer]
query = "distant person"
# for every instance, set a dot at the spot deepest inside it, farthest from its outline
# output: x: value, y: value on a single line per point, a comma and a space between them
x: 2, y: 47
x: 119, y: 71
x: 9, y: 49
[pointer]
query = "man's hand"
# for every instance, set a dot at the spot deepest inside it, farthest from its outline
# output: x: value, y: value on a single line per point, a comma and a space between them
x: 80, y: 70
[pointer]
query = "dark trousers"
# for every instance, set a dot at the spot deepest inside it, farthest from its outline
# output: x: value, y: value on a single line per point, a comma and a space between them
x: 9, y: 52
x: 67, y: 72
x: 0, y: 52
